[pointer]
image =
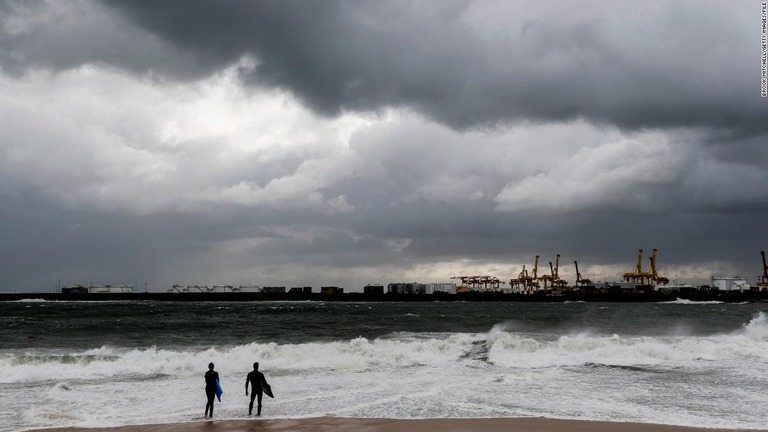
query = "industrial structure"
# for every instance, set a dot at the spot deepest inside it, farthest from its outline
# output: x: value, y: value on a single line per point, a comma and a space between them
x: 638, y: 276
x: 552, y: 281
x: 580, y: 281
x: 638, y: 280
x: 736, y: 283
x: 655, y: 277
x: 636, y: 283
x: 526, y: 283
x: 645, y: 278
x: 97, y: 289
x: 478, y: 283
x: 762, y: 282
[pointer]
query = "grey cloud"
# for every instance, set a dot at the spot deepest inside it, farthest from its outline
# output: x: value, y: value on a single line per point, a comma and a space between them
x: 676, y: 65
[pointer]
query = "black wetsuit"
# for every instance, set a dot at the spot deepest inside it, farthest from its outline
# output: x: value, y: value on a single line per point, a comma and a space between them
x: 210, y: 389
x: 256, y: 379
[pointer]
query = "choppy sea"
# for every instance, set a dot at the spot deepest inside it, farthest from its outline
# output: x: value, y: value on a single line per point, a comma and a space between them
x: 116, y: 363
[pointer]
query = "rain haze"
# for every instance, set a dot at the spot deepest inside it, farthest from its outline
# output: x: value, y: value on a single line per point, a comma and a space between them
x: 311, y: 143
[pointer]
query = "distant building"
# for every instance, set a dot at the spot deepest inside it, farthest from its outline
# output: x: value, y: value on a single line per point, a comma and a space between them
x: 441, y: 287
x: 273, y: 290
x: 300, y: 290
x: 97, y: 289
x: 330, y: 290
x: 375, y: 289
x: 74, y: 289
x: 407, y: 288
x: 736, y: 283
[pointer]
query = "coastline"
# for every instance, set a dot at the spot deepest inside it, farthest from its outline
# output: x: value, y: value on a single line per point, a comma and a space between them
x: 341, y: 424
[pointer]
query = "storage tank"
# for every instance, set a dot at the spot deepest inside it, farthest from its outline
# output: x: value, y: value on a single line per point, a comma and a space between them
x: 444, y: 287
x: 735, y: 283
x: 249, y: 288
x: 98, y: 289
x: 121, y: 288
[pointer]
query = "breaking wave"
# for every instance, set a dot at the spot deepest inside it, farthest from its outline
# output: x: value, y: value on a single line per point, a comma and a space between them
x: 500, y: 347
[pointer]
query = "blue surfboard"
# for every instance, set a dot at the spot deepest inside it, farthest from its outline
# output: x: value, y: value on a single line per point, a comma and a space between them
x: 219, y: 391
x: 267, y: 390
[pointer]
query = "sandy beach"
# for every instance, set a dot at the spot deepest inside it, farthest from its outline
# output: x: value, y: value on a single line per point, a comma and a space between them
x: 328, y: 424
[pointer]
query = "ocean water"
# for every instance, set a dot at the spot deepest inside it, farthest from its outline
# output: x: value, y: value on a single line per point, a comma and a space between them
x: 115, y: 363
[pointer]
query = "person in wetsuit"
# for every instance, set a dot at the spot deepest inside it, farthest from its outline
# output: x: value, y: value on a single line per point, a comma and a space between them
x: 257, y: 381
x: 210, y: 388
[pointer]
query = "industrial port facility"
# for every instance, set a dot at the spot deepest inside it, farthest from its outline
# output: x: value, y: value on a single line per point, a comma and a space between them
x: 637, y: 284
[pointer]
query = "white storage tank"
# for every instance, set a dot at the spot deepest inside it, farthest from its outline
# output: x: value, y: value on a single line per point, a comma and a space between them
x: 444, y: 287
x: 736, y: 283
x: 121, y: 288
x: 98, y: 289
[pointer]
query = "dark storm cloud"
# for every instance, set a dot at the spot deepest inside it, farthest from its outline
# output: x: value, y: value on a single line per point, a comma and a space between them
x: 675, y: 70
x: 461, y: 63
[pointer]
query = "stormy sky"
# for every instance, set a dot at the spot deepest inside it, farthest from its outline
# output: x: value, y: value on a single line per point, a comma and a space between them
x: 300, y: 143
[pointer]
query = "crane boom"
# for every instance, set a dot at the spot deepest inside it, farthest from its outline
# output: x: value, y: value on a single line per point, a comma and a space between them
x: 765, y: 268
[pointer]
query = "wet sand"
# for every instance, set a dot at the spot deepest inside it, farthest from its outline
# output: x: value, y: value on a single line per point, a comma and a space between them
x: 339, y: 424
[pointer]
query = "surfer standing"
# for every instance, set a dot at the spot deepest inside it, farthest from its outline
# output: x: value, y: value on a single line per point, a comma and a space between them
x: 211, y: 377
x: 258, y: 382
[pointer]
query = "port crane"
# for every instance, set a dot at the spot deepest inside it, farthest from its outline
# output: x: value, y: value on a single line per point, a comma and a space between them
x: 518, y: 284
x: 526, y: 282
x: 552, y: 280
x: 580, y: 281
x: 560, y: 283
x: 641, y: 277
x: 638, y: 276
x: 762, y: 283
x: 657, y: 280
x: 478, y: 283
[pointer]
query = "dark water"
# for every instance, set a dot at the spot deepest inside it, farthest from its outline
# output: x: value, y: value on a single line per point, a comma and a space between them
x: 173, y: 325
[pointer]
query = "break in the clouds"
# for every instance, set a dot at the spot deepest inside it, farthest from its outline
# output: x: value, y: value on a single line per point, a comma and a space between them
x: 348, y: 143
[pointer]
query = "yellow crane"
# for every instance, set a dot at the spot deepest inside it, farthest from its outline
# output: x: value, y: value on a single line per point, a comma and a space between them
x: 553, y: 278
x: 637, y: 275
x: 557, y: 281
x: 526, y: 281
x: 657, y: 280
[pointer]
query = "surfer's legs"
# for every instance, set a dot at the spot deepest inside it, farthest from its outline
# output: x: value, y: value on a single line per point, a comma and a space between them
x: 209, y: 405
x: 250, y: 407
x: 258, y: 395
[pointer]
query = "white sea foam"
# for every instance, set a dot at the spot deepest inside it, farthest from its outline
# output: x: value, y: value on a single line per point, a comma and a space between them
x: 675, y: 379
x: 693, y: 302
x: 757, y: 328
x: 502, y: 347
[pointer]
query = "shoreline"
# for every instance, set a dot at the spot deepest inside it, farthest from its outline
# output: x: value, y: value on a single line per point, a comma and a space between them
x: 342, y: 424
